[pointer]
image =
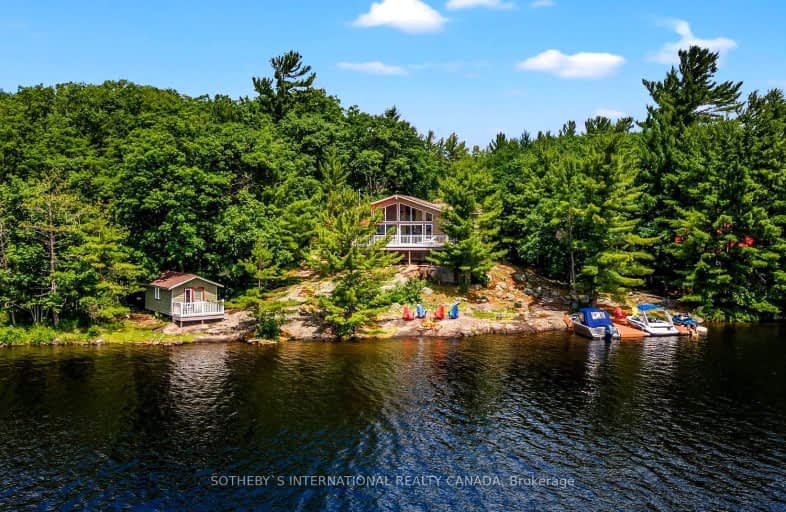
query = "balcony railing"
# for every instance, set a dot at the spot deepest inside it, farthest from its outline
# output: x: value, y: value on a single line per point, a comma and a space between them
x: 414, y: 240
x: 197, y: 310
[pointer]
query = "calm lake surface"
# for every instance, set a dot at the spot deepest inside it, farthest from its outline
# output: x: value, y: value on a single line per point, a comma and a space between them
x: 501, y: 423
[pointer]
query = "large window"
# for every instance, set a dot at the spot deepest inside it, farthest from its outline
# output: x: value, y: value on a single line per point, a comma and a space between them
x: 390, y: 213
x: 157, y: 293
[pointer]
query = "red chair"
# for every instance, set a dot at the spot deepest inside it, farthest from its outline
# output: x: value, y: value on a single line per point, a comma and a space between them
x: 408, y: 314
x: 439, y: 314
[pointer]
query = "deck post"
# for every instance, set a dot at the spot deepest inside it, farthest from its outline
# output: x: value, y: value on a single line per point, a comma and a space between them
x: 409, y: 257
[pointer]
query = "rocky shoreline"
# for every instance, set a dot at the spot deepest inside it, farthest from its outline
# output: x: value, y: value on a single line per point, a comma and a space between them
x: 515, y: 302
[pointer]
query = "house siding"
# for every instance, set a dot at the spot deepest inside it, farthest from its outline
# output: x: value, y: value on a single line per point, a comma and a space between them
x: 162, y: 305
x: 211, y: 290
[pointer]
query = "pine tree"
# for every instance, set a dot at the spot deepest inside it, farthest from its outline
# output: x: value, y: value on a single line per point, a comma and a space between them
x: 687, y: 96
x: 290, y: 76
x: 728, y: 243
x: 344, y: 250
x: 608, y: 209
x: 471, y: 222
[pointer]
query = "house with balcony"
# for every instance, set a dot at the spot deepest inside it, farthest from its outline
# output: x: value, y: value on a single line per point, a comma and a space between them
x: 415, y: 223
x: 184, y: 297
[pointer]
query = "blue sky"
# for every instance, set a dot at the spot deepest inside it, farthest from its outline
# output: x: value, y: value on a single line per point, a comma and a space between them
x: 475, y: 67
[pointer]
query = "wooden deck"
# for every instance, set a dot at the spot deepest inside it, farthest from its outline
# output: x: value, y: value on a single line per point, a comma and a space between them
x: 629, y: 333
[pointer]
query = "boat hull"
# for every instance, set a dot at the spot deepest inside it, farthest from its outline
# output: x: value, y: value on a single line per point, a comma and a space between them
x: 654, y: 330
x: 596, y: 333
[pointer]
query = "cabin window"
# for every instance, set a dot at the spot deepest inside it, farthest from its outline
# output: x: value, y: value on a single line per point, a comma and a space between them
x: 417, y: 215
x: 429, y: 217
x: 380, y: 229
x: 199, y: 294
x: 406, y: 213
x: 429, y: 229
x: 390, y: 213
x: 157, y: 293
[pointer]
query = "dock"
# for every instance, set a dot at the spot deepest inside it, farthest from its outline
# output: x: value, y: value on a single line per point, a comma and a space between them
x: 629, y: 333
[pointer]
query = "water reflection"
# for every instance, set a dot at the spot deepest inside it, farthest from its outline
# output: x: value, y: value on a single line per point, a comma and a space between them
x: 673, y: 423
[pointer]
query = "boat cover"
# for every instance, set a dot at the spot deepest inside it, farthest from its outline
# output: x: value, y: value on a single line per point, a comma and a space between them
x: 594, y: 317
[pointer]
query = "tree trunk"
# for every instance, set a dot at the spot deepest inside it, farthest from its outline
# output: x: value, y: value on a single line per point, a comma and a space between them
x: 51, y: 245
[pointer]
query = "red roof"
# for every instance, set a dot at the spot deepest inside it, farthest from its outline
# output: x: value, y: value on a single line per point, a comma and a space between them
x: 171, y: 279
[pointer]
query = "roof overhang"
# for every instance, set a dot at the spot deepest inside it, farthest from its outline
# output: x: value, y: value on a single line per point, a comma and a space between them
x: 415, y: 200
x: 185, y: 281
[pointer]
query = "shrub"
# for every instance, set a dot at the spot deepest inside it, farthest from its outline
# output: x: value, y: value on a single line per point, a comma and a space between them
x: 410, y: 292
x: 40, y: 335
x: 269, y: 324
x: 11, y: 336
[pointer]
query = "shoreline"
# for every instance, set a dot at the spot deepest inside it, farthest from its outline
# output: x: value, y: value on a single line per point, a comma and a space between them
x: 516, y: 301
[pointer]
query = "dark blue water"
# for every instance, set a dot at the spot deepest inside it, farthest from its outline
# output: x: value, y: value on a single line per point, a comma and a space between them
x: 518, y: 423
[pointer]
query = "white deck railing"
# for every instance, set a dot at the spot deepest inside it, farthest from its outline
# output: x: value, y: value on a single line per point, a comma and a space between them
x: 197, y: 309
x: 414, y: 240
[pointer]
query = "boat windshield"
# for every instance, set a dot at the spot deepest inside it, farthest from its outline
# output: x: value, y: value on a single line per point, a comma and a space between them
x: 657, y: 315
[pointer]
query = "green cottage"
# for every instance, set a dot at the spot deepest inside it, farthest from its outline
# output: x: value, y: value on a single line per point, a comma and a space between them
x: 184, y: 297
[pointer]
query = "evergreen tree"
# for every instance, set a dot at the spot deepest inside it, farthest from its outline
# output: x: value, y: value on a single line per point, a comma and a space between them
x: 344, y: 250
x: 471, y: 221
x: 290, y: 76
x: 688, y: 95
x: 608, y: 207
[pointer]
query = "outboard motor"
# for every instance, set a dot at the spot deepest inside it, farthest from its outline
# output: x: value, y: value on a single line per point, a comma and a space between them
x: 609, y: 334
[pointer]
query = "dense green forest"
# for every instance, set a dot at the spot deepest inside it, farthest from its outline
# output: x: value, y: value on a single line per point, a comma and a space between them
x: 104, y: 186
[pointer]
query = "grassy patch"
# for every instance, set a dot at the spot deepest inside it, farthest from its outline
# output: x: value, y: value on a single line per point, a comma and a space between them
x: 493, y: 315
x: 124, y: 332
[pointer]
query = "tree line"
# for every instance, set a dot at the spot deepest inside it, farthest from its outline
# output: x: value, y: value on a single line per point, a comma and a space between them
x: 104, y: 186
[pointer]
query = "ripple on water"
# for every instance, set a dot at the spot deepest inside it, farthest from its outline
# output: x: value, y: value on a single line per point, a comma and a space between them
x: 672, y: 423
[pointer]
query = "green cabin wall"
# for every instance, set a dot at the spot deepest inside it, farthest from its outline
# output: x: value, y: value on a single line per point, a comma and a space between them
x: 162, y: 305
x: 211, y: 290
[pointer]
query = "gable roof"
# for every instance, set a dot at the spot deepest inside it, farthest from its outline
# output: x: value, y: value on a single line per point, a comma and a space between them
x: 421, y: 202
x: 170, y: 279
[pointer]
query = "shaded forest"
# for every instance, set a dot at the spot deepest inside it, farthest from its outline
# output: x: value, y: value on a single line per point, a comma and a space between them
x: 104, y: 186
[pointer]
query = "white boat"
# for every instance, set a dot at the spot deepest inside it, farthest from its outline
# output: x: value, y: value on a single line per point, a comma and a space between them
x: 594, y: 323
x: 654, y: 320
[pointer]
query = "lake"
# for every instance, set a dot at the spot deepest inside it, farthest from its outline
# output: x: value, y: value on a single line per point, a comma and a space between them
x: 502, y: 423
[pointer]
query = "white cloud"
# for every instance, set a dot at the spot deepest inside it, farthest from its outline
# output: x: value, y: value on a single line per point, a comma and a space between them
x: 469, y: 4
x: 668, y: 54
x: 578, y: 65
x: 542, y: 3
x: 609, y: 112
x: 779, y: 84
x: 373, y: 68
x: 411, y: 16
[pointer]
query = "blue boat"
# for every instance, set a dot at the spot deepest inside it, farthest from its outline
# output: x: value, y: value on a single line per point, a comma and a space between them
x: 594, y: 323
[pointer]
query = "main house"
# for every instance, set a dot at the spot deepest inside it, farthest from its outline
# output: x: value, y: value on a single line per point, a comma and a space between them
x: 184, y: 297
x: 416, y: 225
